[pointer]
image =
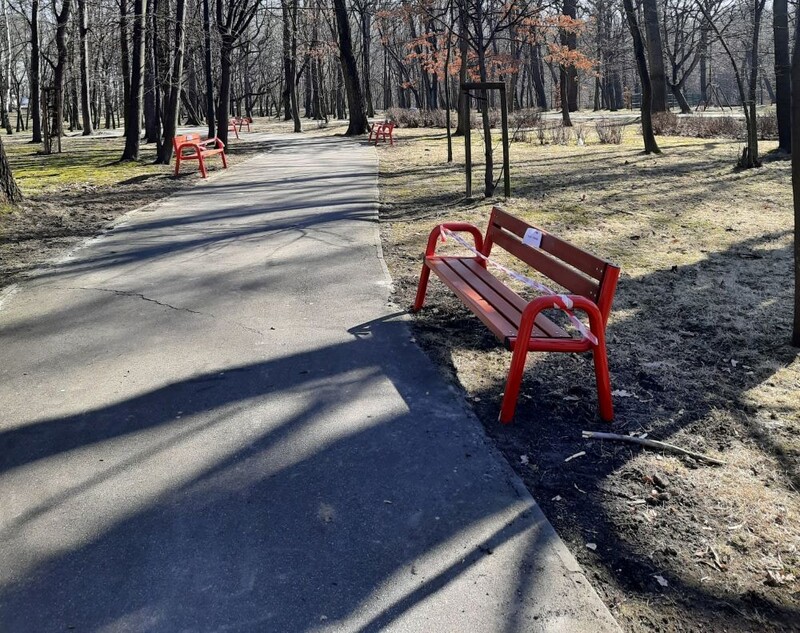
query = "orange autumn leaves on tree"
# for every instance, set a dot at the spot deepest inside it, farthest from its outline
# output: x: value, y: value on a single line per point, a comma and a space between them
x: 546, y: 30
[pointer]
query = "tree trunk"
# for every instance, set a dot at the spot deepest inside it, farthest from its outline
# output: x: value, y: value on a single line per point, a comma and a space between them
x: 461, y: 125
x: 212, y: 126
x: 62, y: 22
x: 355, y: 98
x: 795, y: 139
x: 34, y: 106
x: 537, y: 73
x: 152, y: 47
x: 366, y: 44
x: 650, y: 145
x: 655, y: 54
x: 133, y: 119
x: 9, y: 191
x: 569, y: 74
x: 172, y: 109
x: 125, y: 57
x: 783, y: 73
x: 83, y: 29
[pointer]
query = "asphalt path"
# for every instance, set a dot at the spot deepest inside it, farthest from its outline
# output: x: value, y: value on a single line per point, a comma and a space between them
x: 213, y: 419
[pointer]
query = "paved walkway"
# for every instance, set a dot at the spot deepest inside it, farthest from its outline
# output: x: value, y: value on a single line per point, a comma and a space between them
x: 212, y: 420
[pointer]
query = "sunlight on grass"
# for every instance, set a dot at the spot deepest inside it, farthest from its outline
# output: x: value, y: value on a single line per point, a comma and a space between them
x: 86, y: 162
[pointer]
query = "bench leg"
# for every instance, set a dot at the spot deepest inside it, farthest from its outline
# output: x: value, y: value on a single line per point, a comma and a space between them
x: 422, y: 288
x: 202, y: 167
x: 513, y: 382
x: 224, y: 161
x: 603, y: 379
x: 177, y: 164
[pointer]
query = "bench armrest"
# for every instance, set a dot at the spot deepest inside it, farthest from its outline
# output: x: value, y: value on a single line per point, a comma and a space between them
x: 217, y: 143
x: 456, y: 227
x: 567, y: 303
x: 190, y: 144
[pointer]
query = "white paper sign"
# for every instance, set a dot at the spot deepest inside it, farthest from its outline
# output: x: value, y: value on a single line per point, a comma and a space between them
x: 533, y: 237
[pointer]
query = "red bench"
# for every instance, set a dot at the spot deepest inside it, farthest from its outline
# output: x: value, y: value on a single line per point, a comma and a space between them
x: 517, y: 322
x: 241, y: 122
x: 192, y: 147
x: 382, y: 130
x: 232, y: 128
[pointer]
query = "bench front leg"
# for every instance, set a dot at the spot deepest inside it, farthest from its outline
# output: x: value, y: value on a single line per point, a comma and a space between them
x: 517, y: 369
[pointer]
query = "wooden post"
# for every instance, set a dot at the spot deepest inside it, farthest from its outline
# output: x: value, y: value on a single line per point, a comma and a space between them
x: 506, y: 159
x: 467, y: 141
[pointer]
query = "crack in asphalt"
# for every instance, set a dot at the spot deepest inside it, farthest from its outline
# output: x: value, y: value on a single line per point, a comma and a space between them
x: 139, y: 295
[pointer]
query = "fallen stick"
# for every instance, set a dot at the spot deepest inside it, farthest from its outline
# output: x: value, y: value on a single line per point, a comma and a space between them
x: 593, y: 435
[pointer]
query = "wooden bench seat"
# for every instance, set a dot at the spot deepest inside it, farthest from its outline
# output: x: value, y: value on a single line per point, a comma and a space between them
x: 519, y: 323
x: 192, y: 147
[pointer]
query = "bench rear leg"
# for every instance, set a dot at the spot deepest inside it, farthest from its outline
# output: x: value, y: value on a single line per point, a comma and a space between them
x: 422, y: 288
x: 224, y: 161
x: 603, y: 379
x: 202, y: 163
x: 177, y: 164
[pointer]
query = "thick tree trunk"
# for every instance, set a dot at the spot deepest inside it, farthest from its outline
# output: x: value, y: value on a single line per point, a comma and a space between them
x: 463, y: 50
x: 537, y: 74
x: 210, y: 114
x: 133, y: 119
x: 153, y: 46
x: 655, y: 54
x: 795, y: 139
x: 366, y: 45
x: 288, y: 74
x: 172, y: 108
x: 355, y: 98
x: 34, y: 106
x: 783, y: 73
x: 62, y: 22
x: 650, y: 145
x: 83, y: 29
x: 224, y: 89
x: 9, y: 191
x: 125, y: 58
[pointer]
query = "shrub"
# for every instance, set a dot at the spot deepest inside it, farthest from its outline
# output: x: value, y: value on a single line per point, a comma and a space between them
x: 665, y: 123
x: 712, y: 127
x: 609, y: 132
x: 560, y: 135
x: 767, y: 127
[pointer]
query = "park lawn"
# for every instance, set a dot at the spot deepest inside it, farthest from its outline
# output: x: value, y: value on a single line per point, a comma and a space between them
x: 698, y: 347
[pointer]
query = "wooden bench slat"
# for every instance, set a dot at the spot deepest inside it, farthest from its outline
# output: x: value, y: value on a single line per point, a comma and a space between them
x: 577, y: 257
x: 543, y: 328
x: 486, y: 312
x: 569, y: 278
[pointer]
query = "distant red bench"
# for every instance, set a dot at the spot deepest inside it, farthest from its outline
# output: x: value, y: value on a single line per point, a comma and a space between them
x: 520, y: 324
x: 192, y: 147
x: 382, y: 130
x: 242, y: 121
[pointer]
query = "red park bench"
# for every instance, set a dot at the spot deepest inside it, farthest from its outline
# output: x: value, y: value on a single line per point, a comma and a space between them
x: 192, y: 147
x: 517, y: 322
x: 382, y: 130
x: 232, y: 127
x: 242, y: 121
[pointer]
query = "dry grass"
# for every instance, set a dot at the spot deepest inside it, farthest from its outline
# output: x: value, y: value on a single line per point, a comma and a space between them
x: 698, y: 335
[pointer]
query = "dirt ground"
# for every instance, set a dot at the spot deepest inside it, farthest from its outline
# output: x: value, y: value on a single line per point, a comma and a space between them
x: 699, y: 355
x: 79, y: 193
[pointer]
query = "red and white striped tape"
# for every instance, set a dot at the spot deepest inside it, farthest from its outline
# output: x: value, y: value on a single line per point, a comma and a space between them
x: 539, y: 287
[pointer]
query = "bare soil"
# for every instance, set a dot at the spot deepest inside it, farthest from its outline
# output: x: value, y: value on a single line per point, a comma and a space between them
x: 699, y: 357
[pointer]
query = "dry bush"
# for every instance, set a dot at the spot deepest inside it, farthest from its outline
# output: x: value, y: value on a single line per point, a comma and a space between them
x: 712, y: 127
x: 560, y: 135
x: 767, y: 127
x: 413, y: 117
x: 609, y: 132
x: 665, y: 123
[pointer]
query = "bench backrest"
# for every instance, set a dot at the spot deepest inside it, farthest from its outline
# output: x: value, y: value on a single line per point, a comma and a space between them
x: 581, y: 273
x: 184, y: 138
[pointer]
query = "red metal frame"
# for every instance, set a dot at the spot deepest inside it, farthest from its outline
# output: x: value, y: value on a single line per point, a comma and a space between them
x: 382, y: 130
x: 198, y: 150
x: 232, y: 128
x: 597, y: 313
x: 241, y: 122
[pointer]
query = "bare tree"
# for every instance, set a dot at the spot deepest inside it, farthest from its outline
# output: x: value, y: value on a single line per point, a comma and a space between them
x: 783, y: 73
x: 650, y: 145
x: 133, y: 124
x: 355, y: 97
x: 83, y: 29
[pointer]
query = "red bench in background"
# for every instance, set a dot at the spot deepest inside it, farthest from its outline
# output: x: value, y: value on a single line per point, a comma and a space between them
x: 517, y: 322
x: 382, y: 130
x: 232, y: 128
x: 242, y: 121
x: 192, y: 147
